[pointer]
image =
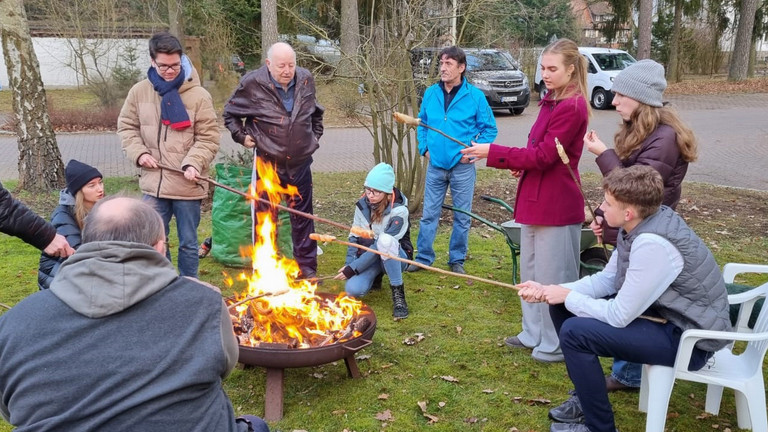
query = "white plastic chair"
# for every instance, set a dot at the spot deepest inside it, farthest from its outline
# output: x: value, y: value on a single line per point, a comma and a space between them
x: 743, y: 372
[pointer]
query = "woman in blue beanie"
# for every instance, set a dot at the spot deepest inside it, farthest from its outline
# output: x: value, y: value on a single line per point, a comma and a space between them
x: 384, y: 210
x: 649, y: 134
x: 84, y: 188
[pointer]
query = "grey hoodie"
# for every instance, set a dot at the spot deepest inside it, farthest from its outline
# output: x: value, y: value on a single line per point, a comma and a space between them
x: 119, y: 342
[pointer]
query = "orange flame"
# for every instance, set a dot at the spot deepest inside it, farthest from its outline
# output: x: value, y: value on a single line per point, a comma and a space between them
x: 298, y: 318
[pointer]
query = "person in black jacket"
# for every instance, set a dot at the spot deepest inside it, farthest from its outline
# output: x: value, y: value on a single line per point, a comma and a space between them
x: 19, y: 221
x: 84, y: 188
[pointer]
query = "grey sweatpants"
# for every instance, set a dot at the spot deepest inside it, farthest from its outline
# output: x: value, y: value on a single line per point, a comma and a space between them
x: 548, y: 255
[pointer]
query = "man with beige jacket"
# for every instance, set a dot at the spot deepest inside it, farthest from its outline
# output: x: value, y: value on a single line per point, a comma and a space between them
x: 168, y: 119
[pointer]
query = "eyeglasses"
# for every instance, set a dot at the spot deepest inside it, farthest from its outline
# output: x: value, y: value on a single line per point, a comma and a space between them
x: 165, y: 67
x: 372, y: 191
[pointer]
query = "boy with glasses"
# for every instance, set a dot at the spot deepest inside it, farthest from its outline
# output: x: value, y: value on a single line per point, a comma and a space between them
x: 168, y: 119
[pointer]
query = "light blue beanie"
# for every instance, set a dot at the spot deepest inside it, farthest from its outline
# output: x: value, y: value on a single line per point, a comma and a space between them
x: 381, y: 178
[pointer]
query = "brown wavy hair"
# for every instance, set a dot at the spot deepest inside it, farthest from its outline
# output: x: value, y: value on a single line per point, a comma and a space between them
x: 643, y: 121
x: 571, y: 56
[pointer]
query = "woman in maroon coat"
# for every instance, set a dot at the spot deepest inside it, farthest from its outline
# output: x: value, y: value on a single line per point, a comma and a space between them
x: 549, y: 204
x: 650, y: 134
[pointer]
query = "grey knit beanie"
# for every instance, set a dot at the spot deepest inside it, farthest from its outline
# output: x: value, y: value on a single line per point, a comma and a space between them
x: 642, y: 81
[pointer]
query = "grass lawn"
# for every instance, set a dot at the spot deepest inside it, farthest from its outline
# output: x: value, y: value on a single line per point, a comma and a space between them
x: 459, y: 370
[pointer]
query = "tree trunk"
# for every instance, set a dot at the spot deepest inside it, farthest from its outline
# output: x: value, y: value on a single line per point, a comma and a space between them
x: 644, y: 23
x: 176, y: 19
x: 350, y: 39
x: 40, y: 165
x: 268, y: 26
x: 672, y: 72
x: 743, y: 45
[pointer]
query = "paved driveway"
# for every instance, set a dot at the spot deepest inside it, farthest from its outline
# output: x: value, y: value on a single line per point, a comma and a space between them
x: 732, y: 132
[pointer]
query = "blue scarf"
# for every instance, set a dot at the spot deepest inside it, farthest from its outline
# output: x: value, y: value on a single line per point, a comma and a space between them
x: 172, y: 110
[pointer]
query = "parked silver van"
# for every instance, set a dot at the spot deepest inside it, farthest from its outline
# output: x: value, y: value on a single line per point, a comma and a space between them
x: 494, y: 71
x: 603, y: 64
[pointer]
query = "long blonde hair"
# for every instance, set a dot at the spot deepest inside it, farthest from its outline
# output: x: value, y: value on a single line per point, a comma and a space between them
x: 643, y: 121
x: 571, y: 56
x: 80, y: 210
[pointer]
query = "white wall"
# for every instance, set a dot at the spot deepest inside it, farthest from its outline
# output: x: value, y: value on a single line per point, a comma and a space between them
x: 56, y: 57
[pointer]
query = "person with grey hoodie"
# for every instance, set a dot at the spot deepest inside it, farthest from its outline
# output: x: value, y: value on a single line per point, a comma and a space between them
x: 121, y: 342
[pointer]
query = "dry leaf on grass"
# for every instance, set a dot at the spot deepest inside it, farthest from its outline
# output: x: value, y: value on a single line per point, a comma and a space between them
x: 422, y: 405
x: 383, y: 396
x: 458, y: 329
x: 384, y: 416
x: 488, y: 391
x: 441, y: 404
x: 539, y: 401
x: 470, y: 420
x: 432, y: 419
x: 449, y: 378
x: 338, y: 412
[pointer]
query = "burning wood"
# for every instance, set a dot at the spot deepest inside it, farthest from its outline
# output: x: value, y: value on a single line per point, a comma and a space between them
x: 278, y: 308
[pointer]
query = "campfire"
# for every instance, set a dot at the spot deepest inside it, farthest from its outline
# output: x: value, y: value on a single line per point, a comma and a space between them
x: 285, y: 311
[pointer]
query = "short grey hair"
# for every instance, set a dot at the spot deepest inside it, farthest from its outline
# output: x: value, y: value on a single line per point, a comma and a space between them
x: 123, y: 218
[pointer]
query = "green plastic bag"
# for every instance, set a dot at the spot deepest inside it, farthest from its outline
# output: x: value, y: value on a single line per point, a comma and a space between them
x: 232, y: 225
x: 231, y: 214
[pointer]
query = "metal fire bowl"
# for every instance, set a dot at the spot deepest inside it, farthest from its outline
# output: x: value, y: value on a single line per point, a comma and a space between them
x: 279, y: 358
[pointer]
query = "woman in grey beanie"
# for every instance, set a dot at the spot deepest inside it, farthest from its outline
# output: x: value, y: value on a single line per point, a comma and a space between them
x: 649, y: 134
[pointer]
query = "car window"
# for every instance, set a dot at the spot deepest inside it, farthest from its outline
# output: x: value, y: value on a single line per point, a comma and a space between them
x: 590, y: 66
x: 613, y: 61
x: 488, y: 61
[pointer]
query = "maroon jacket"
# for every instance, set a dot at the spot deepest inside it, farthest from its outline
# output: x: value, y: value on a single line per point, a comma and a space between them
x: 546, y: 193
x: 288, y: 139
x: 660, y: 151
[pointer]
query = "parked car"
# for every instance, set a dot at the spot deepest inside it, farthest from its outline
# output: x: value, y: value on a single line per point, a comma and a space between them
x: 603, y: 64
x: 233, y: 62
x: 494, y: 71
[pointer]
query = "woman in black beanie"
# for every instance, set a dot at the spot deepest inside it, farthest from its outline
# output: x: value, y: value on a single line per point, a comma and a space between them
x: 84, y: 188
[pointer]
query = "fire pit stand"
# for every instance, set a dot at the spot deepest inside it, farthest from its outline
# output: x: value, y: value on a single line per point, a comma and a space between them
x: 276, y: 359
x: 273, y: 398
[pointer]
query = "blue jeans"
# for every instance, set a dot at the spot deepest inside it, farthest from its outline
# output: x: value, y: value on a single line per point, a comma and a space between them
x: 627, y: 373
x: 461, y: 179
x: 368, y: 266
x: 187, y: 213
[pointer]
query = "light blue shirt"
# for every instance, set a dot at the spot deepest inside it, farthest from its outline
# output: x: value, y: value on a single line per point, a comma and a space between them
x: 654, y: 263
x: 286, y: 96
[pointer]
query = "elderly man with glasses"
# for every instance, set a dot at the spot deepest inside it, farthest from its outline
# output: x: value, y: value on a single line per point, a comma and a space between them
x: 169, y: 120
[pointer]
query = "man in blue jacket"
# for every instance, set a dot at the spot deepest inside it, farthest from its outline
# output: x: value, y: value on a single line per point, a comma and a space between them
x: 459, y: 109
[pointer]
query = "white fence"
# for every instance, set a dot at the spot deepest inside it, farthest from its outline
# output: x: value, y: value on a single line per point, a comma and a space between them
x: 59, y: 66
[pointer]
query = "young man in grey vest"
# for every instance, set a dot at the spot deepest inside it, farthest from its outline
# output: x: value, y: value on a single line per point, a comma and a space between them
x: 660, y: 268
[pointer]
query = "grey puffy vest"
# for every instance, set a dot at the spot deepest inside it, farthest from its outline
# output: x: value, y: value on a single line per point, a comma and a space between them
x: 697, y: 299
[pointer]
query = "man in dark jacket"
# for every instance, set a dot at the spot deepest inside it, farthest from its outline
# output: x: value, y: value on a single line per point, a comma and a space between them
x: 121, y: 341
x: 275, y: 110
x: 19, y: 221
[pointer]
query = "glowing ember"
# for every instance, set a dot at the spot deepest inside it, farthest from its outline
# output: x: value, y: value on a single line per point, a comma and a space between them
x: 290, y: 313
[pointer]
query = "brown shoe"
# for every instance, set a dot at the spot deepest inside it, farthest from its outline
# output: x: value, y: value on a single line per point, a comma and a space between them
x: 613, y: 385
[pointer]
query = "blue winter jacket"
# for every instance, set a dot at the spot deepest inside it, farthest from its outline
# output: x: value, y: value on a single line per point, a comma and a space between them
x: 468, y: 118
x: 63, y: 219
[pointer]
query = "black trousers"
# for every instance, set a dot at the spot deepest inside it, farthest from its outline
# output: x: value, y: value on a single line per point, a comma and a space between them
x: 304, y: 249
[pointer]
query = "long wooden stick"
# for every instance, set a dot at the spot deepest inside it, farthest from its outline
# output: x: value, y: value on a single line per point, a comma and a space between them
x: 329, y: 238
x: 358, y: 231
x: 5, y: 306
x: 247, y: 299
x: 565, y: 160
x: 413, y: 121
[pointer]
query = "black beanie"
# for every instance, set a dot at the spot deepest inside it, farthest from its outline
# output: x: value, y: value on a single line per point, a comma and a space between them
x: 78, y: 175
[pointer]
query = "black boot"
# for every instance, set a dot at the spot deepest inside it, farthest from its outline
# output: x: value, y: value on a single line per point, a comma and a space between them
x: 399, y: 307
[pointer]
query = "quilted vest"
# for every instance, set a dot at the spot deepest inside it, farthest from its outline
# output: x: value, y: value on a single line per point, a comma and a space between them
x: 697, y: 299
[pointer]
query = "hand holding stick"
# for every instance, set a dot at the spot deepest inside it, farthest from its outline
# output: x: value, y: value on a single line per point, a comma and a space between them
x: 566, y: 161
x: 416, y: 122
x: 360, y: 232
